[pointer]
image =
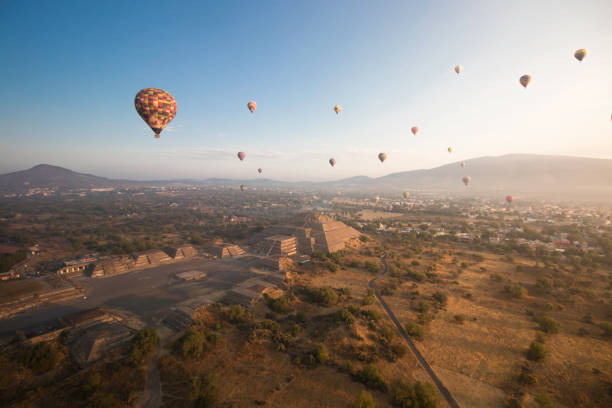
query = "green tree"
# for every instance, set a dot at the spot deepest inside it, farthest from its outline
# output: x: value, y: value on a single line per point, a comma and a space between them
x: 192, y: 345
x: 365, y: 400
x: 143, y: 344
x: 414, y: 330
x: 417, y: 395
x: 204, y: 392
x: 536, y: 351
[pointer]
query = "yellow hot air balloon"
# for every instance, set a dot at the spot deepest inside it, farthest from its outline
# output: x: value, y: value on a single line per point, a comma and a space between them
x: 382, y: 156
x: 406, y: 194
x: 377, y: 198
x: 580, y: 54
x: 458, y: 69
x: 525, y: 80
x: 337, y: 109
x: 450, y: 149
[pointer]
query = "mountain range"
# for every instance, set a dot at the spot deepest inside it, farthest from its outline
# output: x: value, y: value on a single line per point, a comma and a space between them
x: 526, y: 174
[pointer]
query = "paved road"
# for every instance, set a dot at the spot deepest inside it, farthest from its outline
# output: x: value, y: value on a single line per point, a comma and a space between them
x: 443, y: 390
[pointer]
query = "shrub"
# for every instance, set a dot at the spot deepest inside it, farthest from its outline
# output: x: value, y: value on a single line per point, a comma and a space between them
x: 203, y: 392
x: 356, y: 264
x: 416, y: 276
x: 544, y: 401
x: 414, y: 330
x: 279, y: 305
x: 364, y: 238
x: 41, y: 358
x: 527, y: 379
x: 441, y: 298
x: 333, y: 267
x: 237, y: 314
x: 325, y: 296
x: 515, y: 291
x: 192, y: 345
x: 588, y: 318
x: 607, y: 329
x: 345, y: 316
x: 419, y: 395
x: 545, y: 283
x: 460, y: 318
x: 144, y: 343
x: 536, y: 351
x: 365, y: 400
x: 548, y: 324
x: 497, y: 277
x: 370, y: 376
x: 423, y: 307
x: 321, y: 354
x: 347, y: 367
x: 371, y: 315
x: 373, y: 267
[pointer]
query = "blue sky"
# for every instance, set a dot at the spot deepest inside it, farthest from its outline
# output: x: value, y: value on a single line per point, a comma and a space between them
x: 70, y: 70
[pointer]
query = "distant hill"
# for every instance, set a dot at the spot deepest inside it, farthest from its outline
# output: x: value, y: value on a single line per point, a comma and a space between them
x: 518, y: 174
x: 46, y: 176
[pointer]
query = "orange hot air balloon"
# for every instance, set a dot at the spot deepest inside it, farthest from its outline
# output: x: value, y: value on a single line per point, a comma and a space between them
x: 260, y: 170
x: 466, y: 180
x: 458, y: 69
x: 251, y: 106
x: 414, y: 130
x: 241, y: 155
x: 156, y: 107
x: 337, y: 109
x: 510, y: 199
x: 525, y: 80
x: 332, y: 161
x: 243, y: 187
x: 580, y: 54
x: 462, y: 164
x: 382, y: 157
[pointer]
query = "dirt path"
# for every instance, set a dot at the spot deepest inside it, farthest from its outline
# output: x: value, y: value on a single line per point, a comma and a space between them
x: 152, y: 395
x: 443, y: 390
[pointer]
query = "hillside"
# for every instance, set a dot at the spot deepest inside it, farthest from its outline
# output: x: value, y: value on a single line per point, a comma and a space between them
x: 45, y: 176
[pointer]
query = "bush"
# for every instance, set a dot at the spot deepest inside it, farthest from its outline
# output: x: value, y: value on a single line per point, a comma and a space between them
x: 423, y: 307
x: 370, y: 376
x: 417, y: 395
x: 365, y: 400
x: 237, y: 314
x: 607, y: 329
x: 460, y: 318
x: 144, y: 343
x: 192, y: 345
x: 416, y: 276
x: 204, y: 392
x: 347, y: 367
x: 515, y: 291
x: 544, y: 401
x: 373, y: 267
x: 333, y: 267
x: 325, y: 296
x: 545, y: 283
x: 321, y: 354
x: 41, y: 358
x: 371, y: 315
x: 497, y: 277
x: 279, y: 305
x: 441, y: 298
x: 527, y: 379
x: 364, y: 238
x: 344, y: 315
x: 414, y: 330
x: 536, y: 351
x: 548, y: 324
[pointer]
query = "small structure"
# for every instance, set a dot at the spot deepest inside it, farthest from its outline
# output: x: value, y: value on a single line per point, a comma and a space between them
x: 226, y: 251
x: 278, y: 245
x: 191, y: 275
x: 74, y: 268
x: 185, y: 251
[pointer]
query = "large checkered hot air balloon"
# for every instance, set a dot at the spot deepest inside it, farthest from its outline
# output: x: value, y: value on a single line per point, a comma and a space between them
x: 156, y: 107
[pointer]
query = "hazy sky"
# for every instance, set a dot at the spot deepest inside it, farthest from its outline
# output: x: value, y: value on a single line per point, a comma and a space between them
x: 69, y: 71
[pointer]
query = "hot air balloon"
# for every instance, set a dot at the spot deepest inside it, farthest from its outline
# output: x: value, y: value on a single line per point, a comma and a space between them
x: 382, y: 157
x: 450, y: 149
x: 524, y: 80
x: 337, y: 109
x: 466, y: 180
x: 377, y: 198
x: 414, y: 130
x: 241, y: 155
x: 580, y: 54
x: 260, y: 170
x: 332, y: 161
x: 462, y: 164
x: 251, y: 106
x: 509, y: 199
x: 243, y: 187
x: 406, y: 194
x: 156, y: 107
x: 458, y: 69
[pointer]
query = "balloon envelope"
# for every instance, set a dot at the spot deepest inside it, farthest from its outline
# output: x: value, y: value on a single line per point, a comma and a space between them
x: 462, y: 164
x: 580, y: 54
x: 524, y: 80
x: 466, y: 180
x: 458, y: 69
x: 406, y: 194
x: 450, y: 149
x: 243, y: 187
x: 251, y: 106
x: 332, y: 161
x: 509, y: 199
x: 260, y: 170
x: 377, y: 198
x: 156, y: 107
x: 337, y: 109
x: 382, y: 157
x: 241, y: 155
x: 414, y: 130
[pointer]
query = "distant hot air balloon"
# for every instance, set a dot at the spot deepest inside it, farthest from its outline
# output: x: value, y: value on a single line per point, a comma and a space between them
x: 243, y: 187
x: 251, y: 106
x: 462, y: 164
x: 377, y: 198
x: 337, y: 109
x: 260, y: 170
x: 524, y: 80
x: 450, y: 149
x: 406, y: 194
x: 332, y: 161
x: 382, y: 157
x: 580, y: 54
x: 241, y: 155
x: 510, y: 199
x: 466, y: 180
x: 156, y: 107
x: 414, y: 130
x: 458, y: 69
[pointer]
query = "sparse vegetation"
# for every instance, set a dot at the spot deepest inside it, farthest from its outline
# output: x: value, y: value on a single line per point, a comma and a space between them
x: 515, y: 291
x: 365, y: 400
x: 144, y: 343
x: 536, y: 351
x: 406, y: 395
x: 414, y: 330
